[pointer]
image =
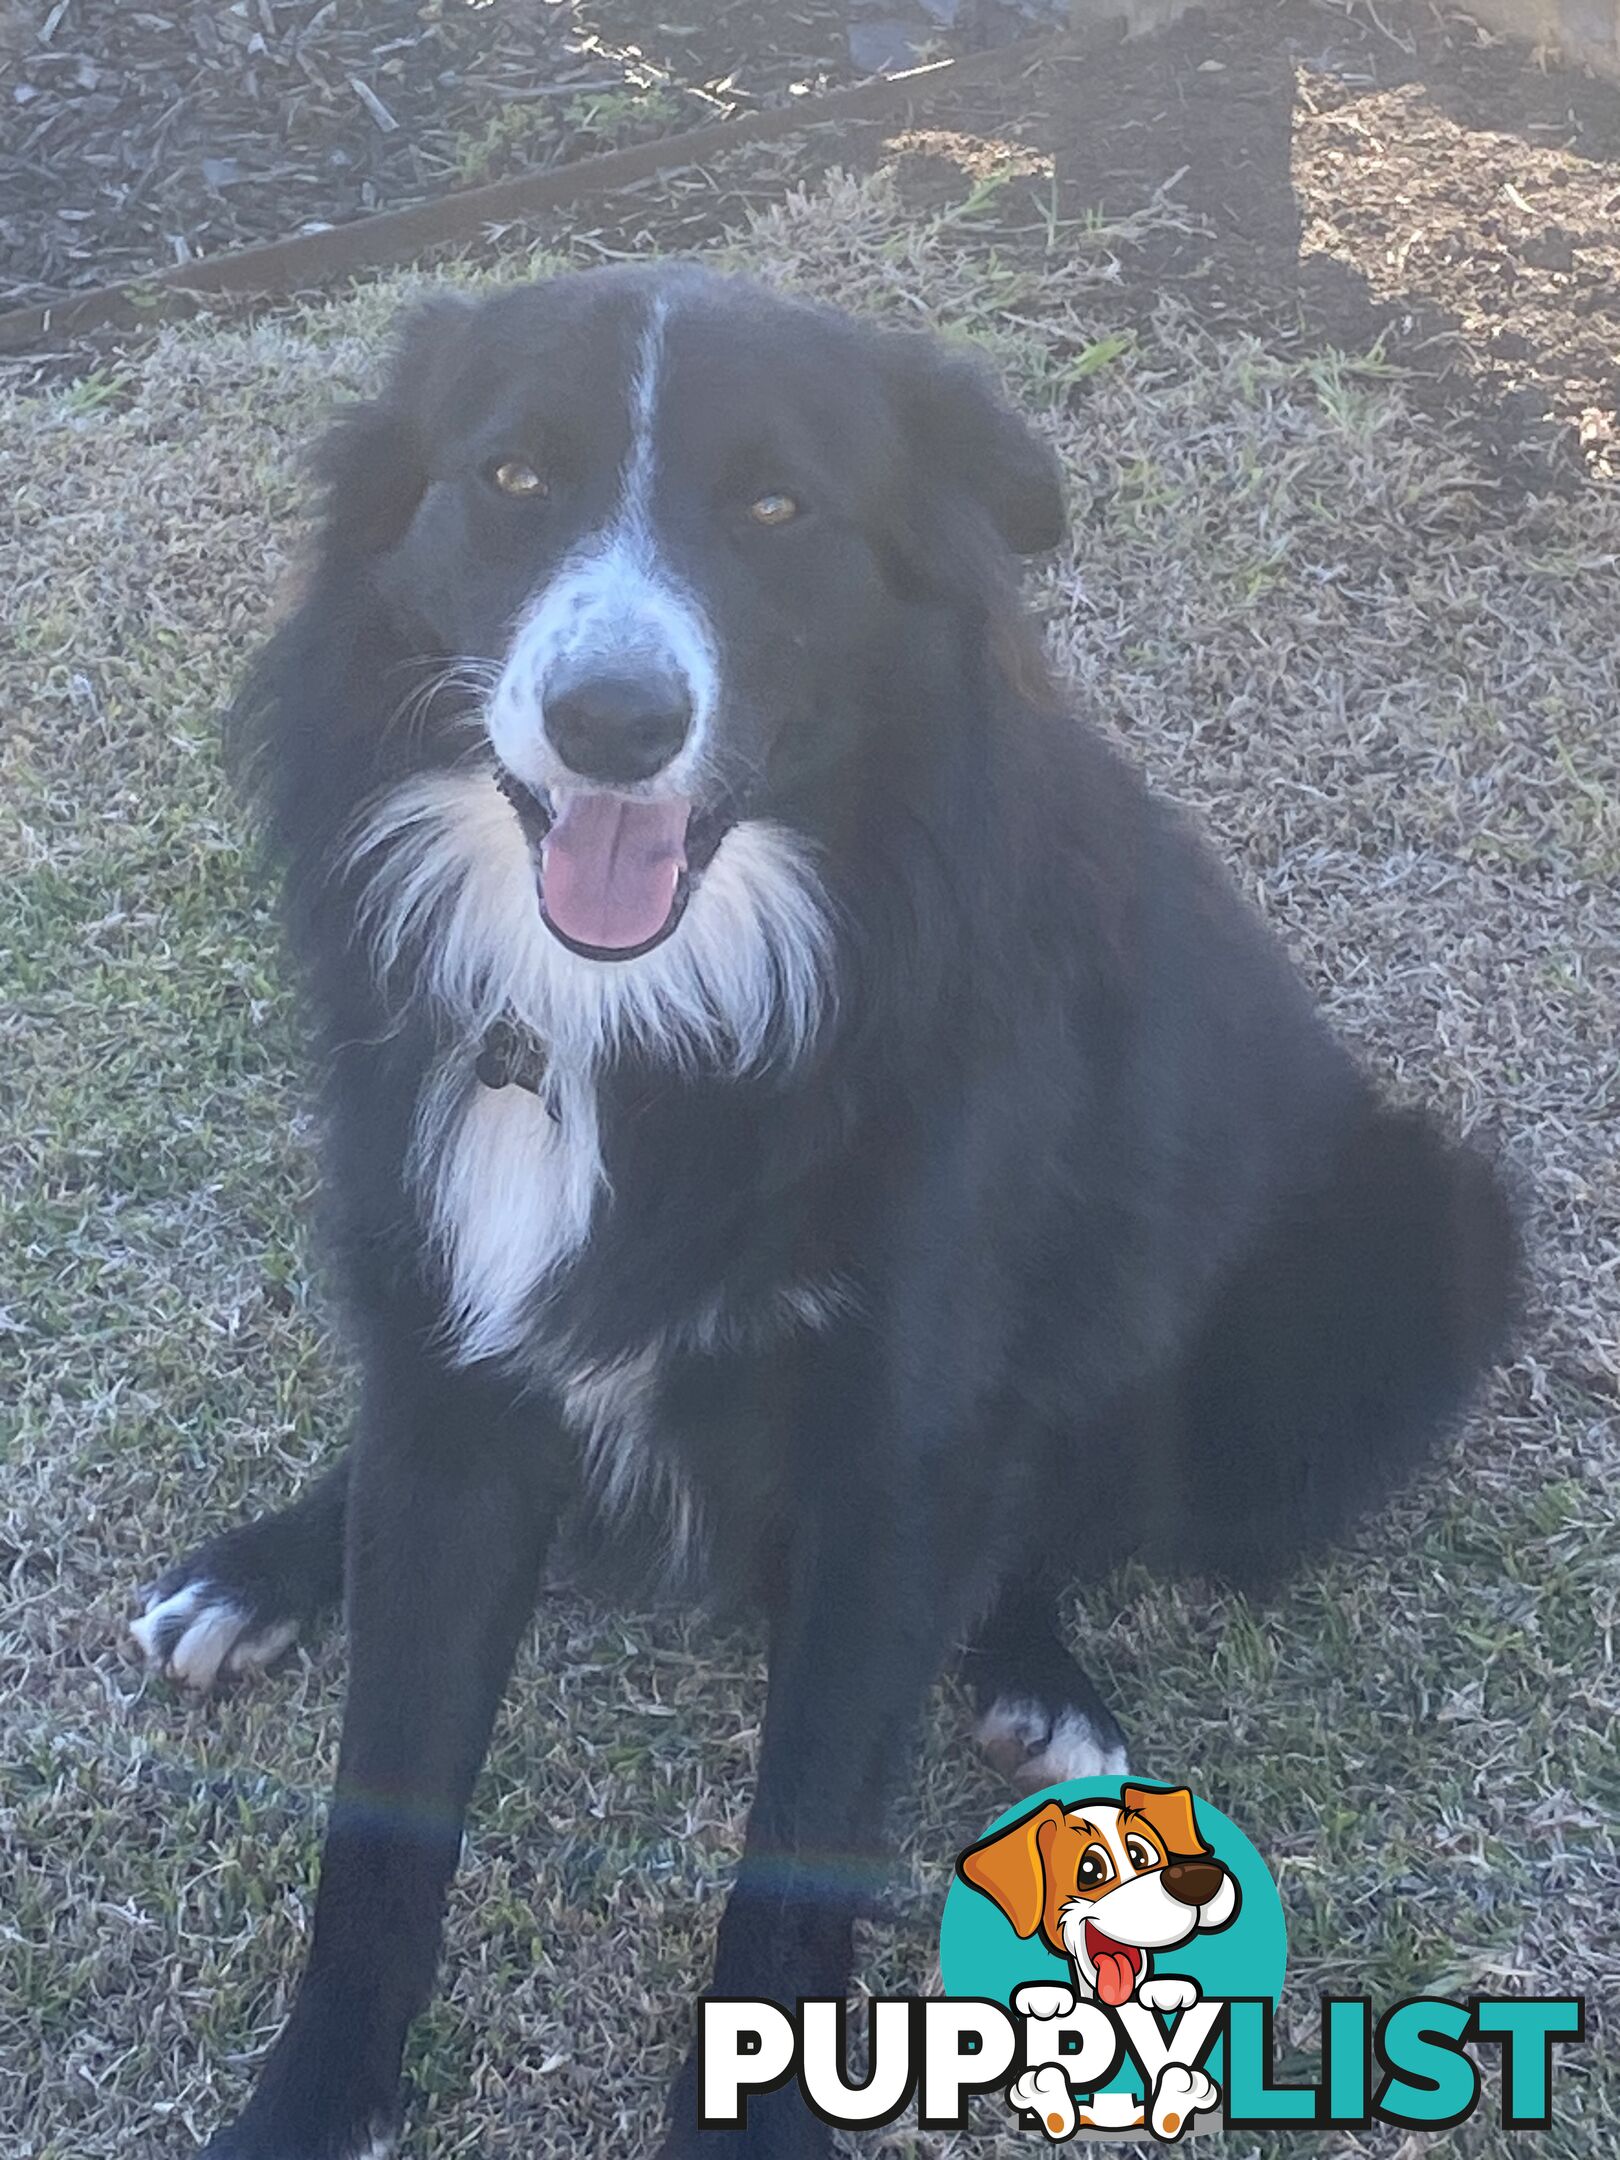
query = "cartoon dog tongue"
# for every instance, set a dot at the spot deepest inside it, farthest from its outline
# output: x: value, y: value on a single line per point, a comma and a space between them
x: 610, y: 868
x: 1116, y: 1966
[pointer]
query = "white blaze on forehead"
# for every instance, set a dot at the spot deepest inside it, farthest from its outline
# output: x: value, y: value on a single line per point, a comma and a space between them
x: 614, y: 604
x: 643, y: 460
x: 1106, y: 1817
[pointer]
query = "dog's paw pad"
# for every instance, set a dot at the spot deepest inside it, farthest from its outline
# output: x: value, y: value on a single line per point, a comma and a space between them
x: 1044, y: 2093
x: 198, y: 1633
x: 1168, y: 1995
x: 1180, y: 2095
x: 1034, y: 1746
x: 1043, y: 1999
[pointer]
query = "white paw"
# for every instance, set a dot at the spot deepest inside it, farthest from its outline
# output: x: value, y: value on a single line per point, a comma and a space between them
x: 1045, y: 2093
x: 1026, y: 1743
x: 197, y: 1633
x: 1180, y: 2095
x: 1168, y: 1995
x: 375, y: 2145
x: 1043, y: 1999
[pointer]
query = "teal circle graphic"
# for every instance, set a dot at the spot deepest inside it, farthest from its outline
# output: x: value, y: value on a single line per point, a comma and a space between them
x: 980, y: 1954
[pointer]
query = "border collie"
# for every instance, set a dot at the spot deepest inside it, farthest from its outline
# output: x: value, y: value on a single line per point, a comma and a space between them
x: 793, y: 1097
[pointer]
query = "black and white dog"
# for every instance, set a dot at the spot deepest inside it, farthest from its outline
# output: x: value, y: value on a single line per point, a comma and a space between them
x: 786, y: 1083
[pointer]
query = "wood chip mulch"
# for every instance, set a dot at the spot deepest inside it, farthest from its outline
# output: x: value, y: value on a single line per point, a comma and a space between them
x: 135, y: 134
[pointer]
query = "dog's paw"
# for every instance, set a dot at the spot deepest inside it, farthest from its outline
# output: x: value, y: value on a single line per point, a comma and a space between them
x: 1169, y: 1995
x: 246, y: 2140
x: 1035, y: 1745
x: 1044, y: 2093
x: 1180, y: 2095
x: 322, y: 2092
x: 307, y: 2108
x: 195, y: 1632
x: 787, y: 2131
x: 1043, y: 1999
x: 246, y: 1596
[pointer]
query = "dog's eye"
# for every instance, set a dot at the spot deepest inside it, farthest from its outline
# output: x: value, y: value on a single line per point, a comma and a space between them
x: 1140, y: 1854
x: 1095, y: 1867
x: 773, y: 508
x: 517, y: 478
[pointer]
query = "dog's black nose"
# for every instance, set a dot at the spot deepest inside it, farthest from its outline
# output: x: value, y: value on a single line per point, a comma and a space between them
x: 1192, y: 1882
x: 617, y: 728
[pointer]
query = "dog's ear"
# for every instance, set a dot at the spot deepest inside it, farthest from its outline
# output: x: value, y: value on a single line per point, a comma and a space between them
x: 1172, y: 1816
x: 968, y: 441
x: 1009, y: 1867
x: 375, y: 460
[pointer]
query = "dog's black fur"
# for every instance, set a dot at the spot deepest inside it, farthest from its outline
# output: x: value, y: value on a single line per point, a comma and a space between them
x: 1132, y: 1258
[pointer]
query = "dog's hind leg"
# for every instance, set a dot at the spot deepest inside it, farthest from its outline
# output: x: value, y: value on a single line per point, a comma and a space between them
x: 242, y: 1599
x: 1037, y: 1715
x: 1333, y: 1357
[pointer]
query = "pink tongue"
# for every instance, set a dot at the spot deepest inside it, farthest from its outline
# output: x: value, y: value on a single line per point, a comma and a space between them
x: 609, y: 868
x: 1115, y: 1972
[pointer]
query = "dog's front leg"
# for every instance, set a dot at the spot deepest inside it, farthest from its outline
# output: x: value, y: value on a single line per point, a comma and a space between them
x: 879, y: 1577
x: 445, y: 1534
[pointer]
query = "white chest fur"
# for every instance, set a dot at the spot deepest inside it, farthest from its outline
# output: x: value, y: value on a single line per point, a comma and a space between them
x: 612, y: 1409
x: 512, y: 1182
x: 510, y: 1188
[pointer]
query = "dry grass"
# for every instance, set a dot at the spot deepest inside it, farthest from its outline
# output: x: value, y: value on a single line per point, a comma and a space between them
x: 1394, y: 698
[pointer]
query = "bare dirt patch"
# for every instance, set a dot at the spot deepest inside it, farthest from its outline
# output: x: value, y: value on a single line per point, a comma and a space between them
x: 1359, y: 177
x: 1389, y: 180
x: 139, y: 133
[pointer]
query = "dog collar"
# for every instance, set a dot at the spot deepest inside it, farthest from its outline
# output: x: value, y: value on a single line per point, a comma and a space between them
x: 510, y: 1056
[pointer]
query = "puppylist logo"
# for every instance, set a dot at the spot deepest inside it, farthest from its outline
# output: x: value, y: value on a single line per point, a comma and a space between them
x: 1113, y: 1954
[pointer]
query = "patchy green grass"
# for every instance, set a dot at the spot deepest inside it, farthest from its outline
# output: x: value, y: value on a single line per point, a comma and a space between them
x: 1394, y: 699
x: 519, y: 135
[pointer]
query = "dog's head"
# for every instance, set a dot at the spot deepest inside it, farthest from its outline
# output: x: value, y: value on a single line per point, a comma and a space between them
x: 679, y: 532
x: 1106, y: 1884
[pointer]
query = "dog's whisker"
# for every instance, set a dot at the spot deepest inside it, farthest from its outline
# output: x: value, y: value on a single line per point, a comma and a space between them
x: 465, y: 673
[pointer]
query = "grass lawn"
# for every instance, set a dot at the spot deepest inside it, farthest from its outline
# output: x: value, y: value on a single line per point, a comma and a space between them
x: 1393, y: 693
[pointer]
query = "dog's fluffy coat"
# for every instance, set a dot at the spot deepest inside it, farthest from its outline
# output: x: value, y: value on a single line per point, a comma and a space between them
x: 965, y: 1193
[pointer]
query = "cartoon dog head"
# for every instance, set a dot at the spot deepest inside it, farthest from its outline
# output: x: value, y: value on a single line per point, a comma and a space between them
x: 1106, y: 1883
